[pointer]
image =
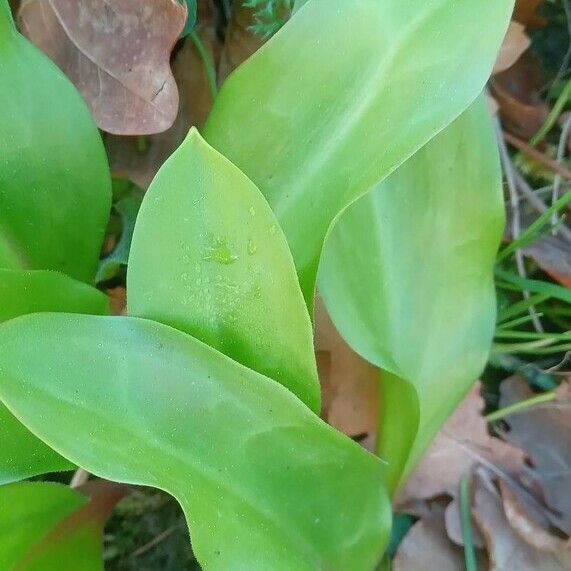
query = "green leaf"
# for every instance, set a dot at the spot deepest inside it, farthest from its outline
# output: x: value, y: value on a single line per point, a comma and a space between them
x: 55, y: 189
x: 264, y: 483
x: 208, y: 258
x: 343, y: 95
x: 50, y: 527
x: 22, y: 454
x: 114, y: 264
x: 407, y: 277
x: 536, y: 286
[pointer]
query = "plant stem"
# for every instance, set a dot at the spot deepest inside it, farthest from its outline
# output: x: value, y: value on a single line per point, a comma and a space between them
x: 207, y: 63
x: 466, y: 520
x: 520, y: 406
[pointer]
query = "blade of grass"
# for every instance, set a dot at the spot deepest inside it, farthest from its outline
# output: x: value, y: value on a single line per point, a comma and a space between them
x: 466, y: 520
x: 532, y: 232
x: 512, y: 334
x: 536, y: 286
x: 520, y: 407
x: 521, y: 306
x: 516, y: 322
x: 207, y: 62
x: 542, y: 347
x: 553, y: 115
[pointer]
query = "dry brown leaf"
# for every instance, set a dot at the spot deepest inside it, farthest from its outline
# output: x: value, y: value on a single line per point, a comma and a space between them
x: 117, y: 54
x: 240, y: 42
x: 544, y: 433
x: 506, y: 549
x: 117, y: 300
x: 140, y: 166
x: 516, y: 91
x: 525, y: 12
x: 553, y: 255
x: 426, y: 546
x: 350, y: 384
x: 462, y: 444
x: 515, y: 44
x: 453, y: 522
x: 529, y: 528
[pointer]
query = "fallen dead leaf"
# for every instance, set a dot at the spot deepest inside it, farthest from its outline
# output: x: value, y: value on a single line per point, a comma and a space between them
x: 117, y: 54
x: 553, y: 255
x: 515, y: 44
x: 126, y: 157
x: 525, y: 13
x: 117, y: 300
x: 453, y: 522
x: 461, y: 445
x: 544, y: 433
x: 506, y: 549
x: 240, y: 42
x: 426, y: 546
x: 516, y: 91
x: 529, y: 528
x: 350, y: 384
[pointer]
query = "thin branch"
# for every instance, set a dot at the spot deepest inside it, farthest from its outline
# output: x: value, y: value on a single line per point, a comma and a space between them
x: 532, y: 197
x: 156, y: 540
x: 538, y: 156
x: 509, y: 170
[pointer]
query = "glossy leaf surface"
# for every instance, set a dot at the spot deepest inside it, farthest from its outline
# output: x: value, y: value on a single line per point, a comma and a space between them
x: 55, y: 190
x: 407, y: 276
x: 22, y: 454
x: 343, y: 109
x: 208, y: 258
x: 50, y: 527
x: 264, y: 483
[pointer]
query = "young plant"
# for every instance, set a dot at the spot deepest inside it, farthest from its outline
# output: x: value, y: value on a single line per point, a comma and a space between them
x: 253, y: 468
x: 55, y: 196
x: 208, y: 389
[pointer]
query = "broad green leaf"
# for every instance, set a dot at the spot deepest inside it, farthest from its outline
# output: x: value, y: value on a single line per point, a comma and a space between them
x: 343, y: 95
x: 407, y: 277
x: 22, y: 454
x: 264, y: 483
x: 50, y: 527
x: 32, y: 291
x: 55, y: 189
x: 209, y: 258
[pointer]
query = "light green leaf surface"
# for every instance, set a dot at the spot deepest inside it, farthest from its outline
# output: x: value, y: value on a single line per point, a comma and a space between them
x: 264, y: 483
x: 55, y: 188
x: 22, y: 454
x: 342, y: 95
x: 407, y: 277
x: 50, y: 527
x: 208, y: 258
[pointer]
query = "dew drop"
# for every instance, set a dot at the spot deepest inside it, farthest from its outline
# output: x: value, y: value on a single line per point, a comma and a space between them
x: 252, y: 248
